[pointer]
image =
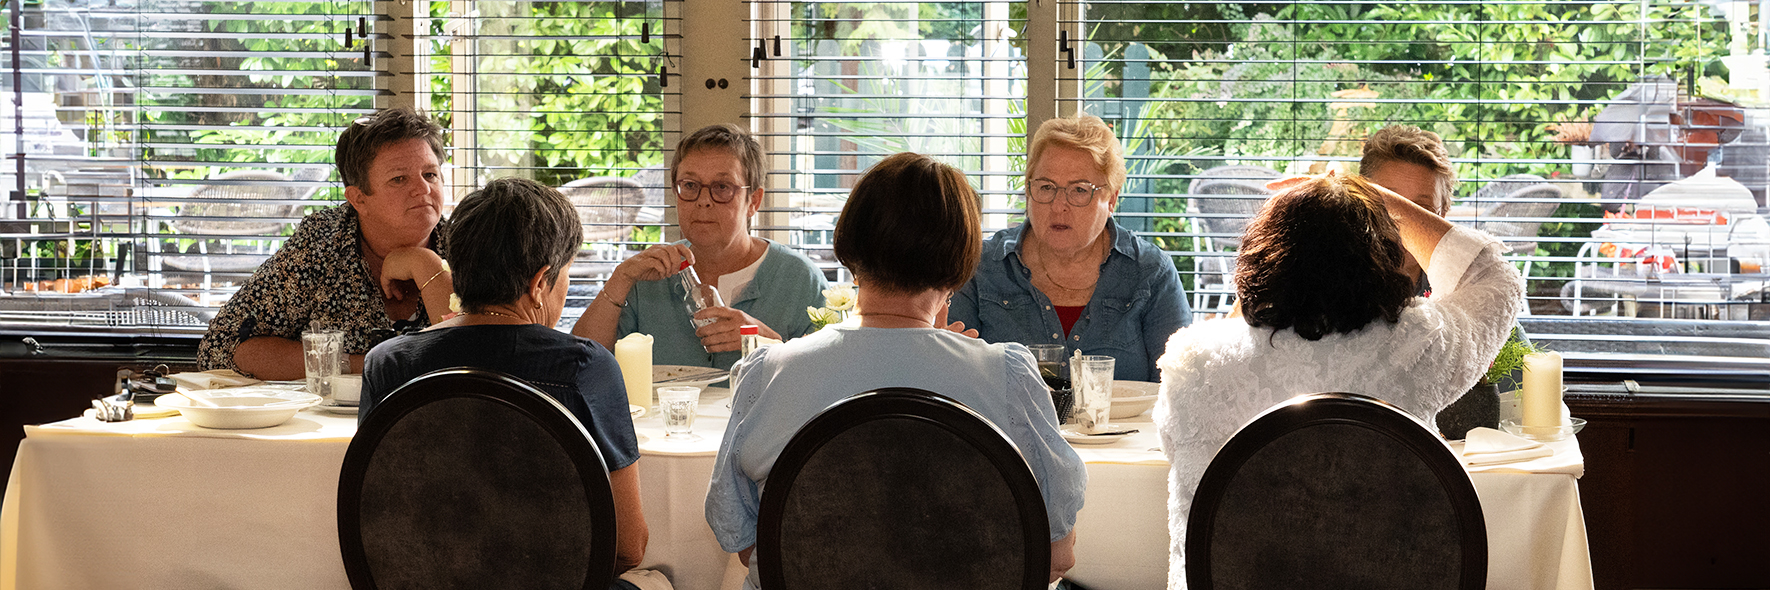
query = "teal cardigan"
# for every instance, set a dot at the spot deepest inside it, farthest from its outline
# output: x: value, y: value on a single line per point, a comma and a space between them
x: 785, y: 284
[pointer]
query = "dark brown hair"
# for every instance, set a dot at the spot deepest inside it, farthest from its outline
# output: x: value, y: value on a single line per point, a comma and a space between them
x: 1322, y: 258
x: 363, y: 140
x: 1406, y: 143
x: 911, y: 225
x: 723, y: 136
x: 506, y: 232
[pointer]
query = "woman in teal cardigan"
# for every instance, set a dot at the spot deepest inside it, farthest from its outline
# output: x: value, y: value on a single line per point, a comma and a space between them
x: 717, y: 176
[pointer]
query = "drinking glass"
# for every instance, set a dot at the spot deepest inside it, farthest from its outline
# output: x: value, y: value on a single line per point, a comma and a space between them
x: 678, y: 405
x: 1092, y: 376
x: 1056, y: 376
x: 322, y: 355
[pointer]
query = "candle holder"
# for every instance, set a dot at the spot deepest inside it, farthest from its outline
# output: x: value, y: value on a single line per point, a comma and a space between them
x: 1544, y: 433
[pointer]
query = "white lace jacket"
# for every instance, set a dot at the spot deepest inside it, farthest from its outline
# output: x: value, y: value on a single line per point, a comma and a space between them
x: 1217, y: 375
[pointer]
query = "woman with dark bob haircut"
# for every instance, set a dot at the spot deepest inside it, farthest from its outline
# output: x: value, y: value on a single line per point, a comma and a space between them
x: 911, y: 235
x: 1325, y: 306
x: 515, y: 238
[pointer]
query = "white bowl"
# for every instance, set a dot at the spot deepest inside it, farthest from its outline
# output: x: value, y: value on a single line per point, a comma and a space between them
x: 241, y: 408
x: 1132, y: 398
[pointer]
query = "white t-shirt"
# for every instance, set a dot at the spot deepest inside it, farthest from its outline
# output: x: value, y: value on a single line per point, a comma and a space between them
x: 732, y: 284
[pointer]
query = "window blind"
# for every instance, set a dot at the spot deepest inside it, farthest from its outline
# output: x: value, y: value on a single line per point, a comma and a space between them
x: 844, y: 84
x: 169, y: 148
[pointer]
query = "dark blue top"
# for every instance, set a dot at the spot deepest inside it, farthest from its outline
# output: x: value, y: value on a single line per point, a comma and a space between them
x: 1138, y: 303
x: 580, y: 373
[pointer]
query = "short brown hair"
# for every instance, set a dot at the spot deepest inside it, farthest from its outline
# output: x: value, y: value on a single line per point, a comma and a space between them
x: 1323, y: 257
x: 911, y: 225
x: 506, y: 232
x: 1081, y: 132
x: 1407, y: 143
x: 723, y: 136
x: 363, y: 140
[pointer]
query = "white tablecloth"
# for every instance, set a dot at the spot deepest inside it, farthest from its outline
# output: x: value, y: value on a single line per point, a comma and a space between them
x: 164, y: 504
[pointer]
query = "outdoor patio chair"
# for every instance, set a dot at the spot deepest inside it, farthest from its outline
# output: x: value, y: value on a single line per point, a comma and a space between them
x: 1220, y: 201
x: 608, y: 206
x: 1505, y: 207
x: 901, y: 488
x: 468, y: 478
x: 244, y: 203
x: 1336, y: 490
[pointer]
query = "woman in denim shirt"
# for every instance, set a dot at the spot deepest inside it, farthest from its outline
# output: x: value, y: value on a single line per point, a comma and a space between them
x: 1069, y: 275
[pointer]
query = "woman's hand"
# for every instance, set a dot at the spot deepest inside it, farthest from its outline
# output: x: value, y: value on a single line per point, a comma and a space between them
x: 654, y: 263
x: 940, y: 322
x: 418, y: 265
x: 722, y: 335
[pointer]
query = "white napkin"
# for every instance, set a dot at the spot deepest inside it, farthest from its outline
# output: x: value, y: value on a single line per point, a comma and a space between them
x: 213, y: 379
x: 1486, y: 446
x: 647, y: 579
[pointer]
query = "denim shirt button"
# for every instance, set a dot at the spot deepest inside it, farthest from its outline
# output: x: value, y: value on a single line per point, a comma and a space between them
x: 1056, y: 335
x: 1078, y: 338
x: 1047, y: 308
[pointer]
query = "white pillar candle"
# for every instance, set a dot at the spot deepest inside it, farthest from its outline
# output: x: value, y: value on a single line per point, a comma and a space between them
x: 633, y: 353
x: 1542, y: 391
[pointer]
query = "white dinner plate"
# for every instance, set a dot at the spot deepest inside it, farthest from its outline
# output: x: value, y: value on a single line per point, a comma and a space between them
x: 686, y: 376
x: 636, y: 411
x: 1078, y: 438
x: 335, y: 408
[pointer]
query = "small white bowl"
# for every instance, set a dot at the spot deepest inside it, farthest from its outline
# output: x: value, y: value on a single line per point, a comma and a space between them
x: 1132, y: 398
x: 241, y: 408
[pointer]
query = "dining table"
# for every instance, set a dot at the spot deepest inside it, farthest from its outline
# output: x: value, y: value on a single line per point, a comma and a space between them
x: 163, y: 503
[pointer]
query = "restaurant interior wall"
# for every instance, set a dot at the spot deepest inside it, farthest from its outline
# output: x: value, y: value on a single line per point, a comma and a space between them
x: 157, y: 150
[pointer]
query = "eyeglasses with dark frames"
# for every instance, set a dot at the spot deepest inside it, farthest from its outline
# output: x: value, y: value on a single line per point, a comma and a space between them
x: 1077, y: 195
x: 722, y: 192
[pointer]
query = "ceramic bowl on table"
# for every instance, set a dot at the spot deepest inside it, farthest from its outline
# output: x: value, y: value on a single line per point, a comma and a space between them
x: 241, y: 407
x: 1131, y: 399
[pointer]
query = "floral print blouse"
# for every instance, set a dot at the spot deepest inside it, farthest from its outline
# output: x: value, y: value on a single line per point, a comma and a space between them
x: 318, y: 275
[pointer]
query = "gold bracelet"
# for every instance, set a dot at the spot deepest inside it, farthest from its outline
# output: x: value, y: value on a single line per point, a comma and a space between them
x: 432, y: 278
x: 620, y: 305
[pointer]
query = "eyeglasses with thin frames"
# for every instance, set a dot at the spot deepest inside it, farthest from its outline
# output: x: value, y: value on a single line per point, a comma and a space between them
x: 690, y: 191
x: 1077, y: 195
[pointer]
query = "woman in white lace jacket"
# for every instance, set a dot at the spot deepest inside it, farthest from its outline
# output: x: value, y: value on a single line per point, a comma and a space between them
x: 1325, y: 307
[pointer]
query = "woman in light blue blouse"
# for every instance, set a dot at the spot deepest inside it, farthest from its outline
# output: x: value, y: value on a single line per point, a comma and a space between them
x: 716, y: 174
x: 1069, y: 275
x: 910, y: 232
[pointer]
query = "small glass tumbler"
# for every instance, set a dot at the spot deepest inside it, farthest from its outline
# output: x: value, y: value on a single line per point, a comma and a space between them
x: 1056, y: 376
x: 1092, y: 376
x: 678, y: 406
x: 322, y: 354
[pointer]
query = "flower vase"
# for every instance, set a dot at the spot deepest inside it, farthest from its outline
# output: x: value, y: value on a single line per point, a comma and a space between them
x: 1480, y: 406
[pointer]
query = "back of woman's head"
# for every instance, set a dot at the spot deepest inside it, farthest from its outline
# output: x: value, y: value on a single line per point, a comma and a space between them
x: 1322, y: 258
x: 911, y: 224
x: 501, y: 235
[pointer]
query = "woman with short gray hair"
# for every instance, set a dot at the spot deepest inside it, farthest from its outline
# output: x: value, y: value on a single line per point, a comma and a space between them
x: 514, y: 239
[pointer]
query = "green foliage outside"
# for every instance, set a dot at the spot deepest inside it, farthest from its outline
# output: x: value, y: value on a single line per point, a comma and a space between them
x: 1258, y: 93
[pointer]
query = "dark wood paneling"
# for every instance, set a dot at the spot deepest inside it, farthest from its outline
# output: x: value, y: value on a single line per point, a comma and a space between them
x: 1676, y: 491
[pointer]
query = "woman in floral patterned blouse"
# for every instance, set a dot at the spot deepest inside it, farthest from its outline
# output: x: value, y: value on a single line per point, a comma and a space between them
x: 369, y: 267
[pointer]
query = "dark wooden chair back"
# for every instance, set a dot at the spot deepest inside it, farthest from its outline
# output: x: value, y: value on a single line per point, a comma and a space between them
x: 468, y: 478
x: 906, y: 489
x: 1336, y: 490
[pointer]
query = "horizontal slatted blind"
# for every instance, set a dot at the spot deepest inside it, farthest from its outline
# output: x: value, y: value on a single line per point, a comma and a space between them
x: 1214, y: 98
x: 847, y: 83
x: 569, y: 94
x: 169, y: 148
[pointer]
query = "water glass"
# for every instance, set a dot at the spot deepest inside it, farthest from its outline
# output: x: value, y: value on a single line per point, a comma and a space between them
x: 322, y: 354
x: 678, y: 405
x: 1092, y: 376
x: 1056, y: 376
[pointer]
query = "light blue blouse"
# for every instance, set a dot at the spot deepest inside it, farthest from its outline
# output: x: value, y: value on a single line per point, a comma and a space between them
x: 781, y: 387
x: 1138, y: 303
x: 785, y: 284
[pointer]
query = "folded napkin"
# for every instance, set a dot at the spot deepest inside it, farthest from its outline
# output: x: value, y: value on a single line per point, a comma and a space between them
x: 214, y: 379
x: 1486, y: 446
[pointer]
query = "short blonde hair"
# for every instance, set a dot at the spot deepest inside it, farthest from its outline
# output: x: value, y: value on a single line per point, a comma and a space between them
x: 1081, y: 132
x: 1407, y: 143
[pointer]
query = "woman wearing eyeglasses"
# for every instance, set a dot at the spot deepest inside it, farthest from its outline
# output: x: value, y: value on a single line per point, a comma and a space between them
x: 1069, y: 275
x: 717, y: 176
